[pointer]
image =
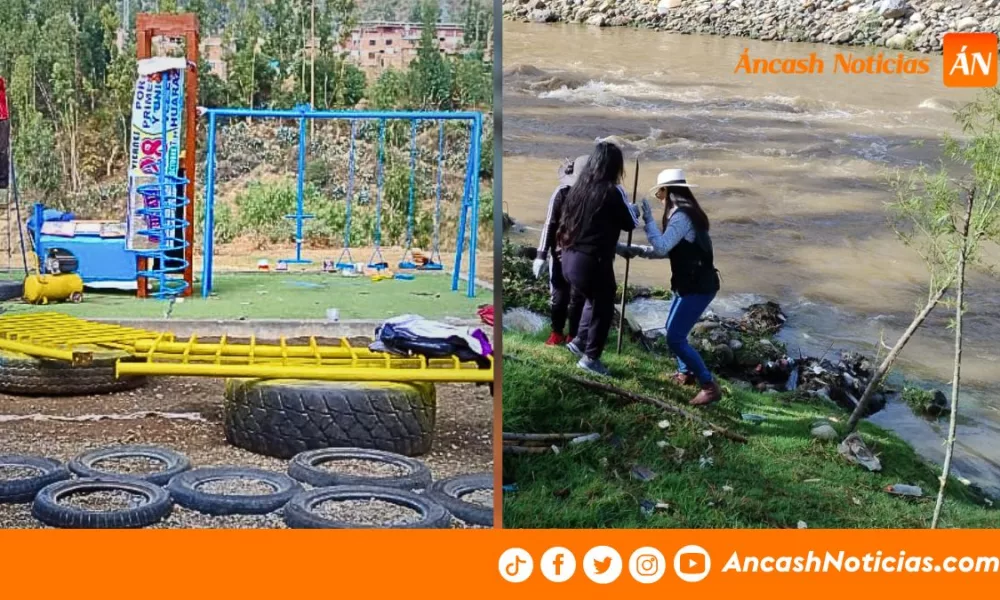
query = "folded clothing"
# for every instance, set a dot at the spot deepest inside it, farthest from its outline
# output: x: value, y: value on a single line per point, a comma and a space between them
x: 412, y: 334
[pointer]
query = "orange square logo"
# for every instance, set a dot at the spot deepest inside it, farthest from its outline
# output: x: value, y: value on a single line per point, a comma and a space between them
x: 970, y: 59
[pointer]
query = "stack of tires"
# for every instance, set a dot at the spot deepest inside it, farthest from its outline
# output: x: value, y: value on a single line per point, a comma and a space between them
x: 306, y: 486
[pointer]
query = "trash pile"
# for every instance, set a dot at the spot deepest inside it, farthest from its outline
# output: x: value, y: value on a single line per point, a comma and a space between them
x: 743, y: 349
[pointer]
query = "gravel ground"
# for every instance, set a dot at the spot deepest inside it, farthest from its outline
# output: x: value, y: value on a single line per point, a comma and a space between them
x: 366, y: 512
x: 368, y: 468
x: 107, y: 500
x: 463, y: 439
x: 129, y: 466
x: 18, y: 472
x: 237, y: 486
x: 480, y: 497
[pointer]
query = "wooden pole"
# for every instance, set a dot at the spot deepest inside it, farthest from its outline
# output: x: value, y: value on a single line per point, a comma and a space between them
x: 676, y: 410
x: 621, y: 310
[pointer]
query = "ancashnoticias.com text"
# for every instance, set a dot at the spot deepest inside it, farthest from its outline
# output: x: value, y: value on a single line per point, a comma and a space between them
x: 869, y: 563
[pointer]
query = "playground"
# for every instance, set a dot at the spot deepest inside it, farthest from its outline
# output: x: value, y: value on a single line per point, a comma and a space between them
x: 354, y: 235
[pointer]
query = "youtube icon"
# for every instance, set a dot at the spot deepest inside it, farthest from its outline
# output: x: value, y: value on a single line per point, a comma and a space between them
x: 692, y: 563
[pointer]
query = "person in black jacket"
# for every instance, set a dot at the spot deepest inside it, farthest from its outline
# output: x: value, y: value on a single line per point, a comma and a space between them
x: 597, y: 210
x: 683, y: 238
x: 563, y: 303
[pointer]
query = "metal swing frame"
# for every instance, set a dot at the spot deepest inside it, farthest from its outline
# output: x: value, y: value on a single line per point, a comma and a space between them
x: 468, y: 214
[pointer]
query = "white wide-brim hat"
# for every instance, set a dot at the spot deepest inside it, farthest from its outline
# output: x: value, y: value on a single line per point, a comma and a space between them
x: 570, y: 171
x: 670, y: 178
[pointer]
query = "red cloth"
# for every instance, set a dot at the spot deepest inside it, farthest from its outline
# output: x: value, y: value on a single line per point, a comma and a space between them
x: 486, y: 314
x: 4, y: 113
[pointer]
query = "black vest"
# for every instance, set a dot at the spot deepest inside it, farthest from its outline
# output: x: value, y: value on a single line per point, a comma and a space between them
x: 692, y: 267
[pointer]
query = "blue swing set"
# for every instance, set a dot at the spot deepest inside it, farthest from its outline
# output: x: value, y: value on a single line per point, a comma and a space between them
x: 468, y: 214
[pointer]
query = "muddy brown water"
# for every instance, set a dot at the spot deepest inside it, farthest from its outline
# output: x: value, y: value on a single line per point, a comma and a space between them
x: 793, y: 173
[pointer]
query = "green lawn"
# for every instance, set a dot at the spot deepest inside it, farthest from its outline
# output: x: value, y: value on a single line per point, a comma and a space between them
x: 289, y: 296
x: 782, y: 476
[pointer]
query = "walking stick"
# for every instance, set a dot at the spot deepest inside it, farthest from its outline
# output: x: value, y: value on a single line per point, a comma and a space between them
x: 621, y: 310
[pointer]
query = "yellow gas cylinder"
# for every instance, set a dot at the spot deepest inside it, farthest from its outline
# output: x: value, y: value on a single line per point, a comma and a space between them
x: 42, y: 289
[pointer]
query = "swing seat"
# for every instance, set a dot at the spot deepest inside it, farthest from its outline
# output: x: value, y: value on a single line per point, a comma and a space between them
x: 432, y: 266
x: 343, y: 266
x: 378, y: 266
x: 407, y: 265
x: 405, y: 276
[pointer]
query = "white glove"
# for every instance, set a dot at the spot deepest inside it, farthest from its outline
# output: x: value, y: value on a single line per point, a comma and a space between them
x: 647, y: 211
x: 537, y: 266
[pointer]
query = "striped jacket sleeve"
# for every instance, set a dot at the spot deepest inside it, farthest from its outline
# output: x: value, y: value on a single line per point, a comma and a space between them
x: 553, y: 216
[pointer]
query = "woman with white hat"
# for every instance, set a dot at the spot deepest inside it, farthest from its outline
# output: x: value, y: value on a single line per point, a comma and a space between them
x: 597, y: 211
x: 683, y: 238
x: 563, y: 304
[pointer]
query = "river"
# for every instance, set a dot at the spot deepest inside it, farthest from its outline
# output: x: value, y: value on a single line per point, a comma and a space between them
x: 793, y: 171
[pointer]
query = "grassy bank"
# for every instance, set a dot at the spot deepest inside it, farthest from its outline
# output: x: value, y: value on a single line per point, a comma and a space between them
x: 780, y: 477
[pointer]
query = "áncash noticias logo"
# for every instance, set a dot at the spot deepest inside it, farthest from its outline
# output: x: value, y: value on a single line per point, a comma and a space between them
x: 969, y: 60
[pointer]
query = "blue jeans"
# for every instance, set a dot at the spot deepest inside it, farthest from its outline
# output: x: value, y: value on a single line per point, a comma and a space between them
x: 684, y: 314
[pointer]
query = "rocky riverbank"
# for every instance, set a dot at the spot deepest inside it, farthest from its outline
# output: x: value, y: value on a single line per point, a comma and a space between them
x: 900, y: 24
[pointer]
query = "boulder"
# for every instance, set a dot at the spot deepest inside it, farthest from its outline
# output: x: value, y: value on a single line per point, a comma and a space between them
x: 723, y: 355
x: 891, y: 9
x: 897, y: 41
x: 543, y: 16
x: 824, y: 432
x: 596, y: 20
x: 968, y: 24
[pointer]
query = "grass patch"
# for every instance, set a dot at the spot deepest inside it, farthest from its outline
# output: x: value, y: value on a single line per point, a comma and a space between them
x: 288, y: 296
x: 782, y: 476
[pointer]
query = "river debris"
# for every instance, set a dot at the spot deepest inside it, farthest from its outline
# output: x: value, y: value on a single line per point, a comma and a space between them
x: 543, y: 443
x: 902, y: 489
x: 743, y: 350
x: 641, y: 473
x: 524, y: 320
x: 853, y: 449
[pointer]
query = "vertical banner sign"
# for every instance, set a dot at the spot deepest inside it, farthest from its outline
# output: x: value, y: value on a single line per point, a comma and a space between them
x: 160, y: 85
x: 4, y: 138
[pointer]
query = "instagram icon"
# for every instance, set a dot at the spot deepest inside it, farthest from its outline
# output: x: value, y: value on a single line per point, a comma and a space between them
x: 646, y: 565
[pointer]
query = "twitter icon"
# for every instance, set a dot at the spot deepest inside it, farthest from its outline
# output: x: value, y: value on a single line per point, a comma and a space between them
x: 602, y: 564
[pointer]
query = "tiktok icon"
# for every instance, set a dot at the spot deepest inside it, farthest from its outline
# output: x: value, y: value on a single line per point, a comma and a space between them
x: 516, y: 565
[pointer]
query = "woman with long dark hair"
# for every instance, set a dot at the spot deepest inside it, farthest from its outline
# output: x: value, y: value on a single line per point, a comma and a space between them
x: 596, y: 211
x: 683, y: 238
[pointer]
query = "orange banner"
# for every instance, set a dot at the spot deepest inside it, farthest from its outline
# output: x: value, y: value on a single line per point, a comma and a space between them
x: 477, y: 564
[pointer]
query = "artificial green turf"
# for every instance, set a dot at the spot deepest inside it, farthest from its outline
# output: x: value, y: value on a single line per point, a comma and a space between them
x: 781, y: 477
x: 288, y: 296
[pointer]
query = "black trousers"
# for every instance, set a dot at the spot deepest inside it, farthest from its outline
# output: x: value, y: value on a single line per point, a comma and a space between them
x: 593, y: 279
x: 564, y: 303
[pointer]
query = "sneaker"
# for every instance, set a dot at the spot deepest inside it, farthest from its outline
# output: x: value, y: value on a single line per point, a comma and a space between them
x: 709, y: 394
x: 555, y: 339
x: 572, y: 347
x: 593, y: 366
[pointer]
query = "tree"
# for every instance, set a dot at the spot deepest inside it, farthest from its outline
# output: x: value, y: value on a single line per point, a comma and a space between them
x: 430, y: 74
x: 284, y: 36
x: 979, y: 221
x: 472, y: 84
x: 60, y: 50
x: 389, y: 90
x: 945, y: 221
